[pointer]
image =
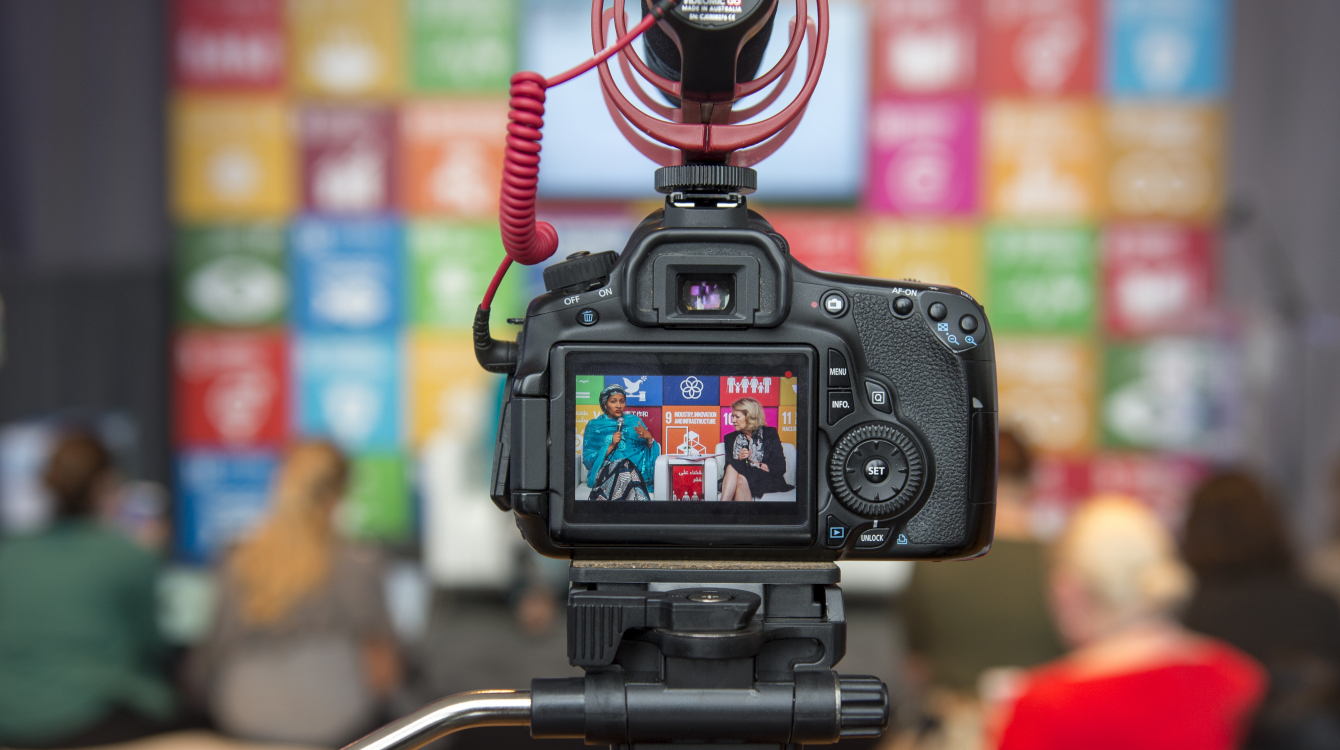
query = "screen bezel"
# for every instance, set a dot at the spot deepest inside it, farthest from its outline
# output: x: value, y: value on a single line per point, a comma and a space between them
x: 745, y: 524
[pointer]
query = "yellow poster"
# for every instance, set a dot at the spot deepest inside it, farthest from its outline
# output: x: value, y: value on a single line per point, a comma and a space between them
x: 933, y: 253
x: 1165, y: 161
x: 346, y: 47
x: 1043, y: 160
x: 1048, y: 390
x: 231, y: 158
x: 447, y: 388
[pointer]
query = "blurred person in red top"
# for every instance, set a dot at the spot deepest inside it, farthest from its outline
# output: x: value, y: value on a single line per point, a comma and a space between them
x: 1136, y: 678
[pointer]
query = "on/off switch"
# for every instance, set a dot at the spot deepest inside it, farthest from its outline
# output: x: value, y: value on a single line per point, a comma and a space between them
x: 838, y: 375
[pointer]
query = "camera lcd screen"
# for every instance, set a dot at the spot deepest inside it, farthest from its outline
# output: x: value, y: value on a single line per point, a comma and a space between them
x: 690, y: 438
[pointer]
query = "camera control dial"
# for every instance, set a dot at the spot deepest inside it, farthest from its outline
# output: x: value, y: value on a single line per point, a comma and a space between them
x: 876, y: 470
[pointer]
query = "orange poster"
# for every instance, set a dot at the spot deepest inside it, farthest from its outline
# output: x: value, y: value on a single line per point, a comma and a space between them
x: 1048, y: 390
x: 1165, y: 160
x: 1043, y: 160
x: 346, y: 47
x: 232, y: 158
x: 452, y: 152
x: 447, y: 388
x: 934, y: 253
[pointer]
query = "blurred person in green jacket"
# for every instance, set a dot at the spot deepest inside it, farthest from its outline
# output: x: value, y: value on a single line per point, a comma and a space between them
x: 80, y: 650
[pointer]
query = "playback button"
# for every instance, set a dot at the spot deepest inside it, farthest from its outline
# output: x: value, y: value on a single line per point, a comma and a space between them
x: 835, y: 534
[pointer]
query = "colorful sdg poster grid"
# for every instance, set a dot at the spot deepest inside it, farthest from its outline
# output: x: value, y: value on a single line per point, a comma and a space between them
x: 335, y: 167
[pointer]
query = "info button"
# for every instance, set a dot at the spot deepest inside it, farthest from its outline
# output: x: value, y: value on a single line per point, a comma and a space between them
x: 839, y: 405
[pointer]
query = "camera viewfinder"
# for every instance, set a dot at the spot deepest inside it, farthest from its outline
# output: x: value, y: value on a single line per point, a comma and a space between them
x: 707, y: 293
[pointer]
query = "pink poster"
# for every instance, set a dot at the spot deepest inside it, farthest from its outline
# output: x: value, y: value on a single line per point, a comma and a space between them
x: 923, y: 157
x: 347, y: 159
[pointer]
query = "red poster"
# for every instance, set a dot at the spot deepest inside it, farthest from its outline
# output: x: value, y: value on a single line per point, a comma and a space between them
x: 766, y: 391
x: 1164, y: 482
x: 347, y: 159
x: 822, y: 241
x: 231, y: 389
x: 651, y: 417
x: 686, y: 482
x: 228, y: 44
x: 1157, y: 278
x: 1040, y: 47
x: 925, y: 46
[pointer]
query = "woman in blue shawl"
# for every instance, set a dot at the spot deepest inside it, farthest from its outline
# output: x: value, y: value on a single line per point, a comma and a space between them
x: 618, y: 451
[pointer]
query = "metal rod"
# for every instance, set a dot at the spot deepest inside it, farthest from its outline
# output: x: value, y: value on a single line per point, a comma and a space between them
x: 481, y: 708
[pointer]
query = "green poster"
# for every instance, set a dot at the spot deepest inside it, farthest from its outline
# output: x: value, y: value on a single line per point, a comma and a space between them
x: 378, y: 502
x: 1042, y: 279
x: 587, y: 388
x: 1167, y: 394
x: 231, y: 276
x: 462, y: 45
x: 450, y: 266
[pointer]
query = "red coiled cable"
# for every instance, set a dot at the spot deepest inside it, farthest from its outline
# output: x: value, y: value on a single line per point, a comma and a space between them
x: 526, y: 240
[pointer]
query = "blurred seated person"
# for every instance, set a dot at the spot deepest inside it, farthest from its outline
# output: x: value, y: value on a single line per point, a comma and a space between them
x: 1251, y: 595
x: 964, y: 618
x: 618, y: 450
x: 755, y: 463
x: 302, y: 649
x: 1323, y: 566
x: 1136, y: 678
x: 80, y: 649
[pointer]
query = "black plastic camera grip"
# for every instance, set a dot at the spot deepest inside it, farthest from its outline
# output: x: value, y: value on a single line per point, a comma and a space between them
x: 932, y: 393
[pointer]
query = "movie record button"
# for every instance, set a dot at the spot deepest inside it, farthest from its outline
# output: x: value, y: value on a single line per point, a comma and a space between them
x: 872, y: 538
x: 839, y: 405
x: 835, y: 303
x: 588, y: 317
x: 835, y: 534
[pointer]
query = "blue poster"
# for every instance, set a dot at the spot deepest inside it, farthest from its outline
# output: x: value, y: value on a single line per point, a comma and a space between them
x: 220, y: 495
x: 691, y: 390
x: 347, y: 275
x: 1168, y: 48
x: 347, y: 388
x: 642, y: 390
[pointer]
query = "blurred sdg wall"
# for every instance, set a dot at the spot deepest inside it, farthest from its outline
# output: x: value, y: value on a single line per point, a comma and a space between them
x: 1141, y: 192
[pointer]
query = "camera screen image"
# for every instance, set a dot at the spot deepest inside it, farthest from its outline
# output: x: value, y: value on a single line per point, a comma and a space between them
x: 706, y: 293
x: 718, y: 436
x: 686, y: 438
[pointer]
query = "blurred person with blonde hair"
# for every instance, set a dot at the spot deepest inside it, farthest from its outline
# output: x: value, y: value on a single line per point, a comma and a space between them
x: 302, y: 648
x: 80, y: 652
x: 1136, y: 678
x: 1252, y: 595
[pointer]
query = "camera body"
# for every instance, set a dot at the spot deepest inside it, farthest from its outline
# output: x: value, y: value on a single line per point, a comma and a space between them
x: 875, y: 402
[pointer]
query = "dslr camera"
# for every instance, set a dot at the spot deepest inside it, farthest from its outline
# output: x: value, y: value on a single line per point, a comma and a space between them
x: 702, y: 394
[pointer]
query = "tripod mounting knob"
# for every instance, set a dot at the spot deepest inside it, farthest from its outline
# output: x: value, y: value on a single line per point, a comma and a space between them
x: 706, y: 178
x: 863, y: 707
